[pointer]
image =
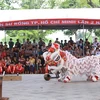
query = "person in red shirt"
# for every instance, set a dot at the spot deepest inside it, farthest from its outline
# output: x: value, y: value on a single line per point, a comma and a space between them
x: 19, y: 68
x: 3, y: 54
x: 1, y: 69
x: 2, y: 65
x: 11, y: 69
x: 22, y: 60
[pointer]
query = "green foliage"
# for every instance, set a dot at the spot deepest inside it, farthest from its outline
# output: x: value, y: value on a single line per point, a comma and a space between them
x: 31, y: 34
x: 32, y: 4
x: 70, y: 32
x: 80, y: 4
x: 68, y: 4
x: 84, y: 34
x: 94, y: 3
x: 97, y: 32
x: 8, y: 4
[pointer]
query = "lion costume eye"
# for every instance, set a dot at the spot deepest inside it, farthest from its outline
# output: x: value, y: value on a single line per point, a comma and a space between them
x: 57, y: 58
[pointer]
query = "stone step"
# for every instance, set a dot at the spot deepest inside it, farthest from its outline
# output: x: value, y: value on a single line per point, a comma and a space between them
x: 4, y: 98
x: 12, y: 78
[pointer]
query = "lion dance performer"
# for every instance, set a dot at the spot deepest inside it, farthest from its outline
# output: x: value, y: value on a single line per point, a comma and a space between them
x: 68, y: 65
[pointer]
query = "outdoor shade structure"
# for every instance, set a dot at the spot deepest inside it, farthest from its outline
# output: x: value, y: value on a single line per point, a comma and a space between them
x: 83, y: 18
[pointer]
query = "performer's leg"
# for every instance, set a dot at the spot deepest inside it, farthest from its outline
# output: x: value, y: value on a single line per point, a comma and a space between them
x: 61, y: 77
x: 62, y: 74
x: 68, y: 77
x: 95, y: 72
x: 93, y: 78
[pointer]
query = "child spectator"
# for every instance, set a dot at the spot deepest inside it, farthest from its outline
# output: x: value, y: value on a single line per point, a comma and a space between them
x: 27, y: 64
x: 32, y: 64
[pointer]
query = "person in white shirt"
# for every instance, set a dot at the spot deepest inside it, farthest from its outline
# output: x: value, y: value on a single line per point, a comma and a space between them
x: 34, y: 44
x: 95, y: 43
x: 97, y: 52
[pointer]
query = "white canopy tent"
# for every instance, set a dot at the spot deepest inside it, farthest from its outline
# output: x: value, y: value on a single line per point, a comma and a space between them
x: 50, y: 19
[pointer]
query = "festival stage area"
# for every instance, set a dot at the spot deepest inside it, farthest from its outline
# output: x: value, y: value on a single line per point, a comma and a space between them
x: 34, y: 87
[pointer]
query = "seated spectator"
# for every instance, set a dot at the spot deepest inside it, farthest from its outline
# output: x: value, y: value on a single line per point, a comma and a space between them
x: 3, y: 53
x: 11, y: 69
x: 19, y: 68
x: 38, y: 66
x: 22, y: 60
x: 80, y: 43
x: 40, y: 43
x: 28, y: 52
x: 50, y: 43
x: 88, y: 52
x: 92, y: 50
x: 77, y: 52
x: 40, y: 52
x: 8, y: 61
x: 95, y: 43
x: 32, y: 64
x: 87, y: 43
x: 34, y: 44
x: 43, y: 47
x: 27, y: 65
x: 14, y: 60
x: 34, y: 51
x: 16, y: 51
x: 97, y: 51
x: 22, y: 51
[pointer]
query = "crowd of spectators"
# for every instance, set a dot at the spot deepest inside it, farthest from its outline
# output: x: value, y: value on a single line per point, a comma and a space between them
x: 29, y: 54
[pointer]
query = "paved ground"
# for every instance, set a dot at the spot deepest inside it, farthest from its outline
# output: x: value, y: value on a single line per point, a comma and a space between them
x: 34, y: 87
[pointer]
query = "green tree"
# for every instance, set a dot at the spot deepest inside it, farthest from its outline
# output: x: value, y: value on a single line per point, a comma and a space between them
x: 94, y: 3
x: 8, y: 4
x: 32, y: 4
x: 31, y: 34
x: 71, y: 32
x: 97, y: 32
x: 80, y: 4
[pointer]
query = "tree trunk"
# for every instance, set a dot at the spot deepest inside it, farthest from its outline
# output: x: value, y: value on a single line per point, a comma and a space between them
x: 75, y: 36
x: 92, y: 4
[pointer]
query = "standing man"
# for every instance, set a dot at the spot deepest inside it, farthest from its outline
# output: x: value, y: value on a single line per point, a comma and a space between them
x: 11, y: 44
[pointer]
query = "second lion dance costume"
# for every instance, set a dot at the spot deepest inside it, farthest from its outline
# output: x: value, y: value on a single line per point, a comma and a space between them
x: 68, y: 65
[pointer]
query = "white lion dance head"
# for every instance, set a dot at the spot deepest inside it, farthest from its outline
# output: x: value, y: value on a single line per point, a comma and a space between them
x: 54, y: 58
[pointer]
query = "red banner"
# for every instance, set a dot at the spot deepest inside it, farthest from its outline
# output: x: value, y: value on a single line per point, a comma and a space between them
x: 40, y: 22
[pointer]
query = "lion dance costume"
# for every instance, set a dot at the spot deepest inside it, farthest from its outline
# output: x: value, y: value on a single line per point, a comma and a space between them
x: 68, y: 65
